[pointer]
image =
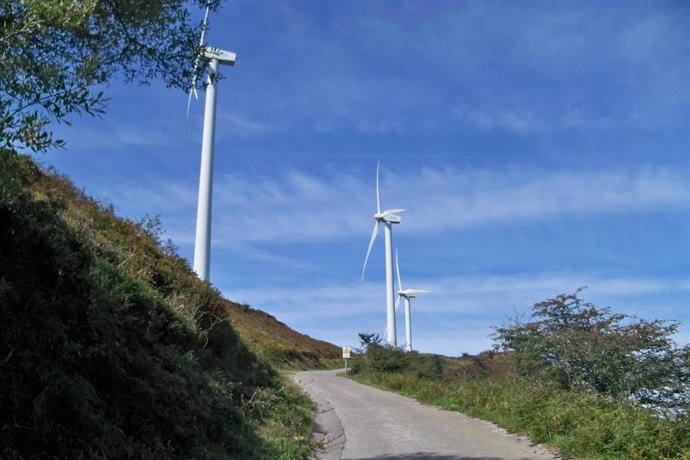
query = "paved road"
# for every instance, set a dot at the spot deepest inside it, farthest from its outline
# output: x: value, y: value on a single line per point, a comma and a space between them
x: 355, y: 421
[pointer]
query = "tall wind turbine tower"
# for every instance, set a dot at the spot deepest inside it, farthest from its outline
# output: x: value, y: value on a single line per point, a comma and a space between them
x: 212, y: 57
x: 407, y: 294
x: 387, y: 218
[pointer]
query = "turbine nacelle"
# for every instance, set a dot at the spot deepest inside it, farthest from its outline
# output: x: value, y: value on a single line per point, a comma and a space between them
x: 209, y: 52
x: 223, y: 56
x: 388, y: 216
x: 404, y: 293
x: 411, y: 293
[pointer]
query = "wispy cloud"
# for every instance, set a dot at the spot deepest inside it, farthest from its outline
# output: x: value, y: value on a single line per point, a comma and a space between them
x: 111, y: 133
x: 293, y: 206
x: 521, y: 69
x: 487, y: 118
x: 303, y: 207
x: 237, y: 123
x: 475, y: 197
x: 298, y: 206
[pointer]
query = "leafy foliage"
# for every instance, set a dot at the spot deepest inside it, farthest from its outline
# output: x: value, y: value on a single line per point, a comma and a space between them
x: 582, y: 346
x: 52, y: 55
x: 375, y: 357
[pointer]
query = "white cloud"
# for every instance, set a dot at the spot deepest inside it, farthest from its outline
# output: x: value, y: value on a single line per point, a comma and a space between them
x: 520, y: 69
x: 293, y: 206
x: 113, y: 134
x: 487, y: 118
x: 296, y: 206
x: 237, y: 123
x: 456, y: 199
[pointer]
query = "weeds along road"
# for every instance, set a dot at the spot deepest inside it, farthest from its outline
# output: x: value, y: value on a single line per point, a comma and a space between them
x: 355, y: 421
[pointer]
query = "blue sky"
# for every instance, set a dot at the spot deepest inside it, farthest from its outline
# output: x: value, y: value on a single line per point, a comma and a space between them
x: 537, y: 146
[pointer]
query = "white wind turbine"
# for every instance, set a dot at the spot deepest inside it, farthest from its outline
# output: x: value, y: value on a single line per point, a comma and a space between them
x: 407, y: 294
x: 213, y: 57
x: 387, y: 218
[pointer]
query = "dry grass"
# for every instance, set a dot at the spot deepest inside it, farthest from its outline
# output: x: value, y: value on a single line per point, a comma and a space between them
x: 275, y: 342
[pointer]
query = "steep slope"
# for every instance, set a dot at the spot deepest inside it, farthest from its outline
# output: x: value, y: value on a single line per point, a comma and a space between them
x: 276, y: 343
x: 110, y: 347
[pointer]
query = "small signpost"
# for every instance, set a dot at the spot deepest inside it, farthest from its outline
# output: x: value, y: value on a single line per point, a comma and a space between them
x: 346, y: 356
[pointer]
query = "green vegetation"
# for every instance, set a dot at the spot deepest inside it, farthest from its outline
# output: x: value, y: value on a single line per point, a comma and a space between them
x: 110, y: 347
x: 591, y: 383
x: 53, y: 54
x: 581, y: 346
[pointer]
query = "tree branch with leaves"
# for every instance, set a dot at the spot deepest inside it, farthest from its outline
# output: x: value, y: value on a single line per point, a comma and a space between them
x: 56, y: 56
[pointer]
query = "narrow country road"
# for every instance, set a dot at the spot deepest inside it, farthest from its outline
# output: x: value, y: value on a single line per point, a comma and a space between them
x: 355, y: 421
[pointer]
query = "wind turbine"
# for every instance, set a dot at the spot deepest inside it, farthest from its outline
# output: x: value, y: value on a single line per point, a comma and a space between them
x: 387, y: 218
x: 213, y: 57
x: 407, y: 294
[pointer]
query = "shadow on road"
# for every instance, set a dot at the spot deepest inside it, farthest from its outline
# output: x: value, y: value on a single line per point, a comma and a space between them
x: 433, y: 456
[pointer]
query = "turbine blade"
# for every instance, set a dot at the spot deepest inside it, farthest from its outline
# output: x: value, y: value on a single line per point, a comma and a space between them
x: 378, y: 196
x: 397, y: 302
x: 371, y: 244
x: 189, y: 102
x: 204, y: 25
x: 192, y: 89
x: 397, y: 270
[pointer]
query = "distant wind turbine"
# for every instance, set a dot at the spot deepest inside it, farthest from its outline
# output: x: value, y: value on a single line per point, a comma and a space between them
x: 407, y: 294
x: 214, y: 57
x: 387, y: 218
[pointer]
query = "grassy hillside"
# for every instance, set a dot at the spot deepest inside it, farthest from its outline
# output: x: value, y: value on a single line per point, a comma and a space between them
x: 276, y: 343
x: 110, y: 347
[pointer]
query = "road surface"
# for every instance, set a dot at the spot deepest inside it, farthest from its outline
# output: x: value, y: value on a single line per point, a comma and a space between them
x: 355, y: 421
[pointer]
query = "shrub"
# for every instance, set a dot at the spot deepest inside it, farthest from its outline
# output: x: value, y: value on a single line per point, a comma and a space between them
x: 373, y: 356
x: 582, y: 346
